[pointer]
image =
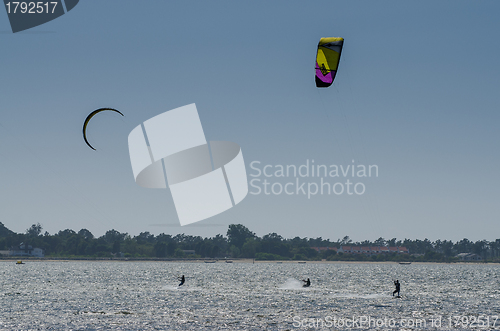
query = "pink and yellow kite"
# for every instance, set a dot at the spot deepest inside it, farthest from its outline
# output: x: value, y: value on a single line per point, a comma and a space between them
x: 327, y: 60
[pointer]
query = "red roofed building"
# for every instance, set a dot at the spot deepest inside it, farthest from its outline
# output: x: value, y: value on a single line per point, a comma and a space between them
x: 384, y: 249
x: 372, y: 250
x: 365, y: 250
x: 345, y: 250
x: 404, y: 250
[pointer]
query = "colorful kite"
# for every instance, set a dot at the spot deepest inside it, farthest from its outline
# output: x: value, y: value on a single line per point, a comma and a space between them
x: 327, y: 60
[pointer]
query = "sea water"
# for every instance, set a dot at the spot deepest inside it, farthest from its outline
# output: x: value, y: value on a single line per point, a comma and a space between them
x: 107, y: 295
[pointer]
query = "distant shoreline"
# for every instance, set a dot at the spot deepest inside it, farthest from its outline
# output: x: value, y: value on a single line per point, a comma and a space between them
x: 237, y: 260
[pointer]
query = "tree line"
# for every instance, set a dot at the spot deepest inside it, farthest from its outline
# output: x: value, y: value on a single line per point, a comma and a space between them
x: 239, y: 242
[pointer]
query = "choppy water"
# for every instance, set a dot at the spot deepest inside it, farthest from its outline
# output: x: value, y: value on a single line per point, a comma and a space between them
x: 244, y: 296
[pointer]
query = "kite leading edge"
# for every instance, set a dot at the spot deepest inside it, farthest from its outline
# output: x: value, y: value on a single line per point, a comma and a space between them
x: 88, y: 119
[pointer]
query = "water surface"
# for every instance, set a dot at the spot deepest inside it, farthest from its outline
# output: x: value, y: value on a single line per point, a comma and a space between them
x: 100, y: 295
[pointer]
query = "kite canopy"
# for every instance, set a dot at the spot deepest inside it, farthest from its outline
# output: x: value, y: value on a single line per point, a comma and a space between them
x: 88, y: 119
x: 327, y: 60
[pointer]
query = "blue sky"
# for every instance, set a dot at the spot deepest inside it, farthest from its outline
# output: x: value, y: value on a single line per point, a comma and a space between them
x: 416, y: 94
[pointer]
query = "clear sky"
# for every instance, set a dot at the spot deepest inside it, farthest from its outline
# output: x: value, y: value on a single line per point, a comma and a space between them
x: 417, y: 94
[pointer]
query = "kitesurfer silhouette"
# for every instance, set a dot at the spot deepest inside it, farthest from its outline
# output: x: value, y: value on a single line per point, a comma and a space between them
x: 398, y: 287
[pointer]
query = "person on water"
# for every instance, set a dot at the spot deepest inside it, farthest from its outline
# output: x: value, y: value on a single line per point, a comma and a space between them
x: 398, y: 287
x: 307, y: 282
x: 181, y: 279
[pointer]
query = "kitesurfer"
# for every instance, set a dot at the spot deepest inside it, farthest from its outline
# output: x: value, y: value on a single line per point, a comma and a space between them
x: 181, y: 279
x: 307, y: 282
x: 398, y: 287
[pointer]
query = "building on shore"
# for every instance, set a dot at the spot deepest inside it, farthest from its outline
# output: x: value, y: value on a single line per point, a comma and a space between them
x: 367, y: 250
x: 25, y: 250
x: 372, y: 250
x: 469, y: 257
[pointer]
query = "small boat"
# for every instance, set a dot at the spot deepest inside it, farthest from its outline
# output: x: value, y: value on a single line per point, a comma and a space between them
x: 19, y: 262
x: 405, y: 263
x: 302, y: 262
x: 210, y: 261
x: 229, y: 261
